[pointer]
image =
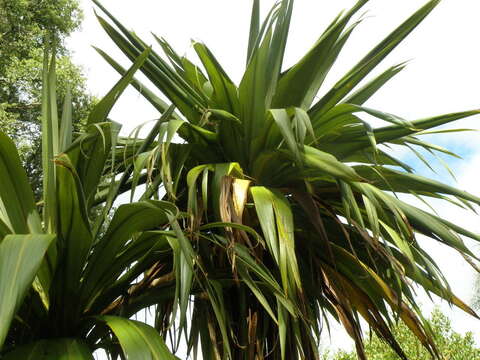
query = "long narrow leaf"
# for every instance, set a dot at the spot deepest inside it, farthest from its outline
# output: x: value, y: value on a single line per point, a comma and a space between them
x: 17, y: 211
x: 59, y: 349
x: 138, y: 340
x: 20, y: 258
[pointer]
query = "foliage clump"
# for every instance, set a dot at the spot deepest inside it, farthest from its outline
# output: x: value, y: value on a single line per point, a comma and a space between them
x: 451, y: 344
x: 26, y: 27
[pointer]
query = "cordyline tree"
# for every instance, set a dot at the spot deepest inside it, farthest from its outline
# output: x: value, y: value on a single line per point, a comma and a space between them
x: 262, y: 210
x: 61, y: 269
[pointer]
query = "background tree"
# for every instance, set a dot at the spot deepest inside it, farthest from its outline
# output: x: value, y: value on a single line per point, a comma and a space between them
x: 476, y: 294
x: 24, y: 27
x: 451, y: 345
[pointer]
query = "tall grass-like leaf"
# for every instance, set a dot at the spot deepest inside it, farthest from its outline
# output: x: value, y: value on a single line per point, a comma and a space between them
x: 158, y: 103
x: 66, y: 126
x: 18, y: 212
x: 254, y: 28
x: 225, y: 97
x: 20, y: 259
x: 371, y: 60
x: 404, y: 182
x: 328, y: 165
x: 225, y: 91
x: 260, y: 80
x: 49, y: 140
x: 128, y: 220
x: 253, y: 92
x: 277, y: 226
x: 184, y: 280
x: 138, y: 340
x: 115, y: 187
x: 215, y: 292
x: 357, y: 139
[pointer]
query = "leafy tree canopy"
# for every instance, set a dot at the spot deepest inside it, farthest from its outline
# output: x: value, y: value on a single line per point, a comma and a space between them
x: 24, y: 23
x: 24, y: 26
x: 451, y: 345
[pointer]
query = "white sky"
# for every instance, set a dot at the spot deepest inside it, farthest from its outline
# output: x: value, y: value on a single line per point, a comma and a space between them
x: 442, y: 77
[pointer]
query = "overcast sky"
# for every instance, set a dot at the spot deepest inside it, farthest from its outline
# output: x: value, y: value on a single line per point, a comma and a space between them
x: 442, y: 77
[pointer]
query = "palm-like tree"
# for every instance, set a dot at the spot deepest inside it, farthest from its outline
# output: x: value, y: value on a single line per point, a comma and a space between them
x: 62, y: 271
x: 290, y: 205
x: 277, y: 208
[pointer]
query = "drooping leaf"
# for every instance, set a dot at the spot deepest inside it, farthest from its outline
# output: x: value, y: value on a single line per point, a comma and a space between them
x: 299, y: 85
x: 277, y: 225
x: 138, y: 340
x: 328, y: 164
x: 128, y: 220
x: 254, y: 28
x: 49, y: 140
x: 156, y: 69
x: 361, y: 96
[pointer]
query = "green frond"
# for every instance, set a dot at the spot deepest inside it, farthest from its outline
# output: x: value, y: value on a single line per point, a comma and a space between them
x: 260, y: 211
